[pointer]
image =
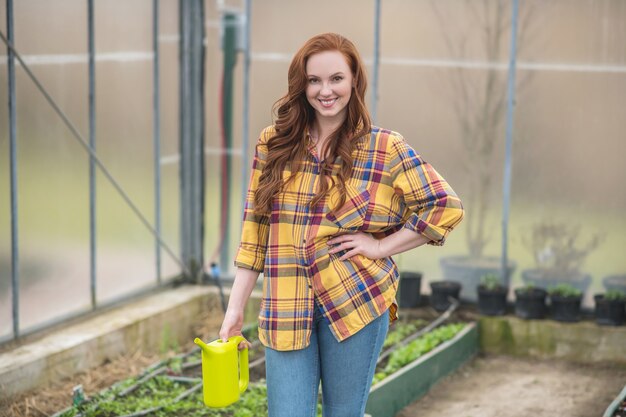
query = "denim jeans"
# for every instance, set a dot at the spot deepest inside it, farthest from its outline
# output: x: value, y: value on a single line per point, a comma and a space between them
x: 345, y: 370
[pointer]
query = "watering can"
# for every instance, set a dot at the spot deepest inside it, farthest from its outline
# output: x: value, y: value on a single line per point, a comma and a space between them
x: 224, y: 371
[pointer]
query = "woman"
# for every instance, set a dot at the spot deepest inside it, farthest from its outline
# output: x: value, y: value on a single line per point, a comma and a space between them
x: 331, y: 198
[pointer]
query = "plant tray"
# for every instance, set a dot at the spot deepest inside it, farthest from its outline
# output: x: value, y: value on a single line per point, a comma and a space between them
x: 414, y: 380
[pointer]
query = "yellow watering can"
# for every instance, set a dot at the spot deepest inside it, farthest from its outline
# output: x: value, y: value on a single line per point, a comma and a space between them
x: 224, y: 371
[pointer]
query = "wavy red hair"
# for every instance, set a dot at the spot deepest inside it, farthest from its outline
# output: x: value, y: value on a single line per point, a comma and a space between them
x: 294, y: 115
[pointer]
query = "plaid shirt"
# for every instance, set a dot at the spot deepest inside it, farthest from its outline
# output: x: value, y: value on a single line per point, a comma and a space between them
x: 391, y: 187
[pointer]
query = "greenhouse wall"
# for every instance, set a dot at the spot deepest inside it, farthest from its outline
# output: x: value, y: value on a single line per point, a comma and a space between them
x: 442, y: 86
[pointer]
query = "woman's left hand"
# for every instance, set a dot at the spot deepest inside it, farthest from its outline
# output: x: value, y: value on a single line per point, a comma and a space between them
x: 356, y: 243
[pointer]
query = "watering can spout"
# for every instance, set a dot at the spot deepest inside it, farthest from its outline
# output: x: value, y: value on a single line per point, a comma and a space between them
x: 203, y: 345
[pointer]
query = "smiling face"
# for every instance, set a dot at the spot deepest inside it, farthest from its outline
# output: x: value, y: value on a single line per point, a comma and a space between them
x: 329, y: 85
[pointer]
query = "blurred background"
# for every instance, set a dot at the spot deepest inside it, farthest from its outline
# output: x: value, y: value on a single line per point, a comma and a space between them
x: 442, y: 84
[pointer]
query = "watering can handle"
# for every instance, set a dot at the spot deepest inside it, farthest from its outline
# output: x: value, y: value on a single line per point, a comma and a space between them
x: 243, y: 365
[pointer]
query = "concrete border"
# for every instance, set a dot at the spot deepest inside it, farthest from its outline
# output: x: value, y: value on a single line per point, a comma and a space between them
x: 414, y: 380
x: 150, y: 324
x: 581, y: 342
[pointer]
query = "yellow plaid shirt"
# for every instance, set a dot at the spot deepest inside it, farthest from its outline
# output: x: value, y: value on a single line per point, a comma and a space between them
x: 391, y: 187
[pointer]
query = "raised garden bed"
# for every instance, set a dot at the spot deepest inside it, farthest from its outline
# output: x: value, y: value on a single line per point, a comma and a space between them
x: 412, y: 381
x: 173, y: 387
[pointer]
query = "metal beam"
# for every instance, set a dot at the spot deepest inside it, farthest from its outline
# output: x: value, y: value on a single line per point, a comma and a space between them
x: 506, y: 194
x: 15, y: 270
x: 92, y: 145
x: 156, y: 135
x: 191, y: 116
x: 245, y: 131
x: 229, y: 49
x: 376, y: 63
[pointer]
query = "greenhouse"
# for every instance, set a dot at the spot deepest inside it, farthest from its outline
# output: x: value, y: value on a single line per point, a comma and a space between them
x: 136, y: 160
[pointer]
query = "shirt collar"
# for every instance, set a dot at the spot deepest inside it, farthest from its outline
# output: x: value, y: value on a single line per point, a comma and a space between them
x: 360, y: 142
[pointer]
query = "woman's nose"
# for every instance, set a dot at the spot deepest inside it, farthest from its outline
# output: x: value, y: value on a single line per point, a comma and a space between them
x: 326, y: 90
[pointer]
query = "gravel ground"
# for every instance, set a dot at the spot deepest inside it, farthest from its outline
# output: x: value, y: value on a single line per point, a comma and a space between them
x: 502, y: 386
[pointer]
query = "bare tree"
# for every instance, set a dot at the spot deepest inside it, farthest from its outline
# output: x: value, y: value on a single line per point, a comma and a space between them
x: 479, y: 99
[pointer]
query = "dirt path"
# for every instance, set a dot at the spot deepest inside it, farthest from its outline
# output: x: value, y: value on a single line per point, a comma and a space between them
x: 498, y: 386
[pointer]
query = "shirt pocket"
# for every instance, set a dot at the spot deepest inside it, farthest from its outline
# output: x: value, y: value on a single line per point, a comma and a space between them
x: 353, y: 214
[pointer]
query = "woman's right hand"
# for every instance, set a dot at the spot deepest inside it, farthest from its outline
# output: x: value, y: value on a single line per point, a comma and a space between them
x: 231, y: 326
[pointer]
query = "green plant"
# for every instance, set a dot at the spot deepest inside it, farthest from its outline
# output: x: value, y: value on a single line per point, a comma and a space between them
x: 556, y: 248
x: 526, y: 289
x: 615, y: 295
x: 401, y: 331
x: 416, y: 349
x: 565, y: 290
x: 156, y: 396
x: 490, y: 281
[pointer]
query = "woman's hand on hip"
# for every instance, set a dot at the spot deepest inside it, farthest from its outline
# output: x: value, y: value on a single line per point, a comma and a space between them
x: 356, y: 243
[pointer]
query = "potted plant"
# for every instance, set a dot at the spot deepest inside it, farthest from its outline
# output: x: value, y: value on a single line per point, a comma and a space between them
x: 440, y: 291
x: 610, y: 308
x: 558, y: 255
x: 530, y: 302
x: 410, y: 289
x: 492, y: 295
x: 565, y: 301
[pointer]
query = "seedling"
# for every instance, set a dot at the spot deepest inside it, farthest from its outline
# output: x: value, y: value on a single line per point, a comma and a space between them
x: 615, y: 295
x: 565, y: 290
x: 490, y: 282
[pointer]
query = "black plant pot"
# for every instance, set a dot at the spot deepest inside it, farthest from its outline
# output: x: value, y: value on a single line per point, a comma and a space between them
x: 610, y: 312
x: 530, y: 304
x: 410, y: 289
x: 566, y: 309
x: 440, y: 291
x: 492, y: 302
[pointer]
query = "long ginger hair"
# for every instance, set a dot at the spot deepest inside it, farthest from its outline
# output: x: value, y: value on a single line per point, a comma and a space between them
x: 294, y: 114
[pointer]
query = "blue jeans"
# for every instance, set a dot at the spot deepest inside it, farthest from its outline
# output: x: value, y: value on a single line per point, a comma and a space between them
x: 345, y: 369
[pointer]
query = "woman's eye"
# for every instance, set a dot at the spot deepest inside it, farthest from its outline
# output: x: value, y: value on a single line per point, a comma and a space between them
x: 338, y: 78
x: 312, y: 80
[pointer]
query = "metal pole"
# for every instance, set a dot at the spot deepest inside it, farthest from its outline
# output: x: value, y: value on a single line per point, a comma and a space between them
x: 376, y: 63
x: 191, y: 118
x: 15, y: 273
x: 229, y: 40
x: 92, y: 145
x: 156, y: 131
x: 506, y: 199
x: 245, y: 131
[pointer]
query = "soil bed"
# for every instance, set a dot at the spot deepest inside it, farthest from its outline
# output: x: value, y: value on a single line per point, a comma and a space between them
x: 51, y: 399
x: 502, y: 386
x: 57, y: 396
x: 488, y: 386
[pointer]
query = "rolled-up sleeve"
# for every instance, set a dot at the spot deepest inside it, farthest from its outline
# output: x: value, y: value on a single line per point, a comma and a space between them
x: 255, y: 229
x: 434, y: 208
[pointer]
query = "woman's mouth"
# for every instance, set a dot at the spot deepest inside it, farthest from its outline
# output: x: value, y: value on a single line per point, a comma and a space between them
x: 327, y: 103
